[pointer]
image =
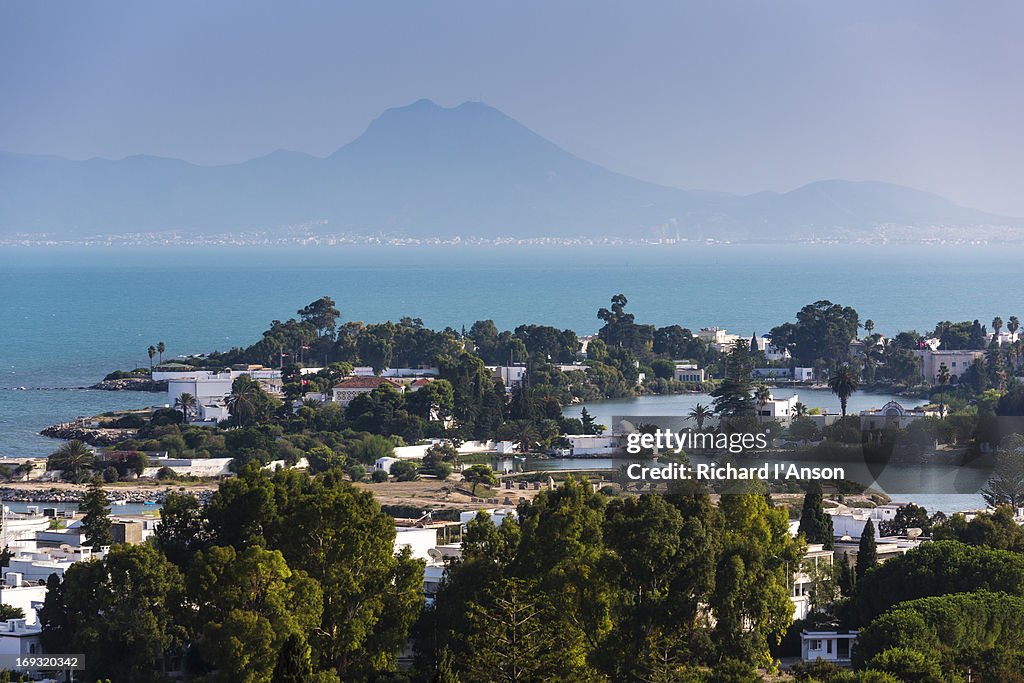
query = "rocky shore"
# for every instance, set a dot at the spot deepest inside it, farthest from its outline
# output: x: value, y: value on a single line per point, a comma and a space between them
x: 94, y: 436
x: 130, y: 384
x: 73, y: 494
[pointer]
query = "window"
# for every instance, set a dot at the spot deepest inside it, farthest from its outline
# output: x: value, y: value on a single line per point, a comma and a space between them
x: 828, y: 647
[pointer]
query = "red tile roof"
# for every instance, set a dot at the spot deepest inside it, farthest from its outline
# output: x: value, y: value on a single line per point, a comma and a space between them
x: 365, y: 383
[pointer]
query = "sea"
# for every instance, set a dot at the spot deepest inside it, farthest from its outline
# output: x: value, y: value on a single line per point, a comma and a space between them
x: 69, y: 315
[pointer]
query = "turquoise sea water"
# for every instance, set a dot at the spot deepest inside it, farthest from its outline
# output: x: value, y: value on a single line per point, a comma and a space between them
x: 68, y: 316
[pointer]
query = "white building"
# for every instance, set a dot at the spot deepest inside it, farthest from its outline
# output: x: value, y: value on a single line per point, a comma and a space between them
x: 27, y: 597
x: 510, y: 375
x: 592, y: 444
x: 781, y: 409
x: 17, y: 638
x: 803, y: 374
x: 803, y: 579
x: 773, y: 373
x: 892, y: 415
x: 828, y: 646
x: 497, y: 515
x: 195, y: 467
x: 717, y: 337
x: 384, y: 464
x: 688, y: 371
x: 347, y: 390
x: 957, y: 361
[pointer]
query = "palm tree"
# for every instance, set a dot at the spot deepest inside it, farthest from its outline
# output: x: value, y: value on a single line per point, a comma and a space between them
x: 700, y: 413
x: 843, y: 383
x: 526, y: 435
x: 1013, y: 325
x: 72, y: 457
x: 943, y: 376
x: 762, y: 394
x: 242, y: 403
x: 152, y: 352
x: 160, y: 348
x: 869, y: 326
x: 997, y: 324
x: 799, y: 409
x: 186, y: 403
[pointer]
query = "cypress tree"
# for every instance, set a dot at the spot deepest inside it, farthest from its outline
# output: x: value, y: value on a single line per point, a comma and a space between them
x: 815, y: 523
x: 867, y: 554
x: 96, y: 523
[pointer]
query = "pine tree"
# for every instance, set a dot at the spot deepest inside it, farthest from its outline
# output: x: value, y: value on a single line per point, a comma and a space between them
x: 588, y: 421
x: 867, y: 554
x: 732, y: 397
x: 815, y: 523
x: 96, y: 523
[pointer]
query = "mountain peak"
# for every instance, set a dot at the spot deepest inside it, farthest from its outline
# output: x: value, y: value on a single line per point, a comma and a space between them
x: 426, y: 170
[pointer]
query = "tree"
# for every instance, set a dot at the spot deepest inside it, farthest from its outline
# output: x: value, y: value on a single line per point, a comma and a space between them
x: 751, y: 595
x: 160, y: 348
x: 322, y: 314
x: 293, y: 662
x: 479, y: 474
x: 943, y: 375
x: 762, y: 394
x: 908, y: 516
x: 589, y: 423
x: 248, y: 602
x: 1006, y: 487
x: 403, y: 470
x: 72, y: 458
x: 700, y: 413
x: 340, y: 537
x: 815, y: 524
x: 151, y: 351
x: 662, y: 567
x: 186, y: 403
x: 119, y: 612
x: 248, y: 403
x: 822, y: 331
x: 867, y: 553
x: 931, y: 569
x: 732, y: 396
x: 183, y: 529
x: 11, y: 612
x: 53, y: 618
x: 512, y: 635
x: 843, y: 383
x: 96, y: 522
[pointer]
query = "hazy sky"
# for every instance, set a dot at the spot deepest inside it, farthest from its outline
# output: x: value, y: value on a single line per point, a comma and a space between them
x: 737, y: 96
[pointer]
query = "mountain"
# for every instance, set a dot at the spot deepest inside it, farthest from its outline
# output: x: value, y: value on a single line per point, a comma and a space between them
x: 427, y: 171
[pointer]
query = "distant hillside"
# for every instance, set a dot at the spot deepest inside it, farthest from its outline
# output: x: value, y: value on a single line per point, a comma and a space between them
x: 427, y: 171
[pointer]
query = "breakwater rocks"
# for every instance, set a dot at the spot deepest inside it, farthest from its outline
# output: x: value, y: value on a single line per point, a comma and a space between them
x: 115, y: 495
x: 130, y: 384
x: 94, y: 436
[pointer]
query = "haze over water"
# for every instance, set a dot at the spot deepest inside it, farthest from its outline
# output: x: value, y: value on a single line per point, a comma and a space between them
x: 69, y: 316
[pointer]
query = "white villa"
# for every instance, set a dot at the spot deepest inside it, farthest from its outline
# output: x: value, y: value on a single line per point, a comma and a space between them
x: 781, y: 409
x: 347, y: 390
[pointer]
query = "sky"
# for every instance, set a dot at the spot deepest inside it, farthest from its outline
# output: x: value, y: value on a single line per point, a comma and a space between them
x: 729, y: 95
